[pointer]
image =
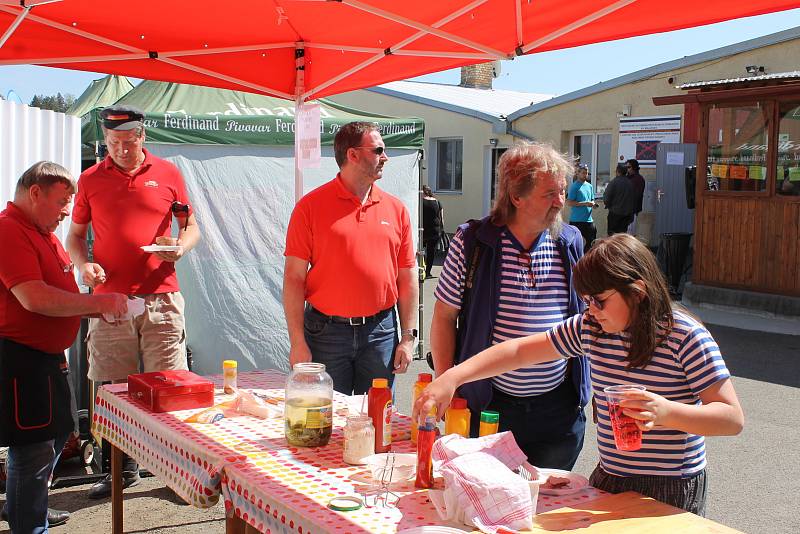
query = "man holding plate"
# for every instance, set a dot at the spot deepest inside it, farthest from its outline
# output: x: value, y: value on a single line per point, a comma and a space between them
x: 130, y: 199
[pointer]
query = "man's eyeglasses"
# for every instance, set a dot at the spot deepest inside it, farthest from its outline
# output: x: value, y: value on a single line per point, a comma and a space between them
x: 524, y: 258
x: 377, y: 150
x: 598, y: 303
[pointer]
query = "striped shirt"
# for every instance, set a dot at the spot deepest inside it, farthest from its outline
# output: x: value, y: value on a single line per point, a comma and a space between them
x: 687, y: 362
x: 534, y: 297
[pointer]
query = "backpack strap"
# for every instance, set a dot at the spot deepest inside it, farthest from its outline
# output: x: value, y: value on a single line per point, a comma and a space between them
x: 474, y: 251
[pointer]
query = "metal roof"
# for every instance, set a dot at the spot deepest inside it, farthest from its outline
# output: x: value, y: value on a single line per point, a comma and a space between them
x: 490, y: 105
x: 793, y: 75
x: 644, y: 74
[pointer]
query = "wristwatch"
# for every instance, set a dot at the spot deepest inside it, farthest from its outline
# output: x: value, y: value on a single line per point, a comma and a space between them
x: 409, y: 332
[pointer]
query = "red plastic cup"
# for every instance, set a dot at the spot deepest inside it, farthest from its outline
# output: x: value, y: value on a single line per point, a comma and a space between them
x: 627, y: 436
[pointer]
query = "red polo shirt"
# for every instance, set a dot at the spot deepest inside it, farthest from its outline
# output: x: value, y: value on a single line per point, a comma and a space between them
x: 128, y: 211
x: 29, y: 254
x: 355, y: 251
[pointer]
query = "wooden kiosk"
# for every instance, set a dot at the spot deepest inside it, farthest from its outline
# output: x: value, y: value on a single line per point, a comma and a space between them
x: 747, y: 214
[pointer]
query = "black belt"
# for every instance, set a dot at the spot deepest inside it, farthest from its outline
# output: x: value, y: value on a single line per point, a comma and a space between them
x: 352, y: 321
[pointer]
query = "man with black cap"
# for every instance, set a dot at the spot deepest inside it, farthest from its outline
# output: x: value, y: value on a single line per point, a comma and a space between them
x: 130, y: 198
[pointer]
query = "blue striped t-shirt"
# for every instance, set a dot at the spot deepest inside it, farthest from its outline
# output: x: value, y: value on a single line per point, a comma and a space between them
x: 683, y: 365
x: 534, y: 296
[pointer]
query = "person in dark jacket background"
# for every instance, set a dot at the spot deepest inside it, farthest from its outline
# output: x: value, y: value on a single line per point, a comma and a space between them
x: 432, y: 226
x: 506, y: 276
x: 620, y: 200
x: 637, y: 181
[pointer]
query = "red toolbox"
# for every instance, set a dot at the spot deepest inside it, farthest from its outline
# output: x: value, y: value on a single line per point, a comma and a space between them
x: 167, y: 391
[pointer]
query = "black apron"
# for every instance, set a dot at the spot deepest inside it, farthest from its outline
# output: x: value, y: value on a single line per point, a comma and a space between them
x: 35, y: 400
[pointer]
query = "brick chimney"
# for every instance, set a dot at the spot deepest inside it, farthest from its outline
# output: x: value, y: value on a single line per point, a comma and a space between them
x: 477, y: 76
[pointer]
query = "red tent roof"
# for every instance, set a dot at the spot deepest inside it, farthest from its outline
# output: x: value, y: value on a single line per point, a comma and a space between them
x: 348, y: 44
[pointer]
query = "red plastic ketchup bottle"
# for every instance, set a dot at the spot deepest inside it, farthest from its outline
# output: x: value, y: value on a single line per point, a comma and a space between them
x: 379, y: 408
x: 425, y: 438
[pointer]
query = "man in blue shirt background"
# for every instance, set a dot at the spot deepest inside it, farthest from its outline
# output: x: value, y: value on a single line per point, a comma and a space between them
x: 580, y: 198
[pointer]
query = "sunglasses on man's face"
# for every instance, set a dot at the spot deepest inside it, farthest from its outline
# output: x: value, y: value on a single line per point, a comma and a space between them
x: 377, y: 150
x: 598, y: 303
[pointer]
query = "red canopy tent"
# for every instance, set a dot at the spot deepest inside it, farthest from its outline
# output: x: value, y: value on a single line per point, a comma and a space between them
x: 304, y: 49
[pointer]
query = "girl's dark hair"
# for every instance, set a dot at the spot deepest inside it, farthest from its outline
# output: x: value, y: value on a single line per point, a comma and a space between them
x: 427, y: 191
x: 617, y: 263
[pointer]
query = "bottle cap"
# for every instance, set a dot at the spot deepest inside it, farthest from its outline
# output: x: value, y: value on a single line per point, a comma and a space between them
x: 490, y: 417
x: 458, y: 403
x: 429, y: 424
x: 425, y: 377
x: 380, y: 383
x: 229, y: 363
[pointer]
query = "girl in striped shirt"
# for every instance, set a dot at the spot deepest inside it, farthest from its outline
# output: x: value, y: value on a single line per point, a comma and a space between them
x: 633, y: 335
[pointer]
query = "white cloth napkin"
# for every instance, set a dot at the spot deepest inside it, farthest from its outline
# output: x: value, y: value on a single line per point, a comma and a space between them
x: 135, y: 309
x: 481, y: 489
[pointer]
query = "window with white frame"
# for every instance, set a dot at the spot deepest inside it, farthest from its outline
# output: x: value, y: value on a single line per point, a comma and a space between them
x: 449, y: 162
x: 594, y: 150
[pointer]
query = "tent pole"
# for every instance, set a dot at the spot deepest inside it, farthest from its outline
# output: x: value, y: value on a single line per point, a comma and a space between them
x: 299, y: 67
x: 420, y: 261
x: 14, y: 25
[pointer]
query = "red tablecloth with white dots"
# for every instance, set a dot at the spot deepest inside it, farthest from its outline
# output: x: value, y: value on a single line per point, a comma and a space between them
x: 190, y: 457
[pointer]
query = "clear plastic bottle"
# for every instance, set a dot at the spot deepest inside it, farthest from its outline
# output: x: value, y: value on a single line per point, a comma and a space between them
x: 423, y: 379
x: 359, y: 439
x: 308, y: 413
x: 229, y: 375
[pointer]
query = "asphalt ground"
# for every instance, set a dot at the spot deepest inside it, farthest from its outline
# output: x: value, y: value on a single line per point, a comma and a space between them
x: 754, y: 478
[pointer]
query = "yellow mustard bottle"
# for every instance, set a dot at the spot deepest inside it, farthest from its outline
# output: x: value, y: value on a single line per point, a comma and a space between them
x: 456, y: 418
x: 490, y: 422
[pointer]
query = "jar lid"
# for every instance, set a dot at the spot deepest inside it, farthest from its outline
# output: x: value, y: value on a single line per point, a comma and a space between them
x: 229, y: 363
x: 358, y: 418
x: 490, y: 417
x: 380, y: 383
x: 458, y: 403
x: 345, y: 504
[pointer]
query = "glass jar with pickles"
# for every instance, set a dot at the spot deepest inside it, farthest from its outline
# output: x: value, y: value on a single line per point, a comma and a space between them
x: 308, y: 411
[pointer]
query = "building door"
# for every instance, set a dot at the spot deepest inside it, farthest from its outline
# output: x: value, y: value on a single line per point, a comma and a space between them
x: 594, y: 150
x: 672, y: 211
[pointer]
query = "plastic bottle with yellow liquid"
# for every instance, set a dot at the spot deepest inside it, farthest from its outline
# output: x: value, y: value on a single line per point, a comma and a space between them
x: 490, y: 422
x: 456, y: 418
x: 423, y: 379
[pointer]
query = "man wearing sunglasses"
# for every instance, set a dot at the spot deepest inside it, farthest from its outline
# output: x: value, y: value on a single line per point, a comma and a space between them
x: 506, y: 276
x: 350, y: 270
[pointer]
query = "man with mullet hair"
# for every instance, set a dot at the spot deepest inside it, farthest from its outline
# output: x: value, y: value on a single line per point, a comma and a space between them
x: 509, y: 275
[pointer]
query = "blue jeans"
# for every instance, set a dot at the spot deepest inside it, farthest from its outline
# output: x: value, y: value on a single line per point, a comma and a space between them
x: 28, y: 470
x: 353, y: 355
x: 549, y: 428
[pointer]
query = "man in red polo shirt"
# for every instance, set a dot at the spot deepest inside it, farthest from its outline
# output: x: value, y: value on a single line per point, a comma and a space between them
x: 130, y: 199
x: 350, y: 256
x: 40, y: 309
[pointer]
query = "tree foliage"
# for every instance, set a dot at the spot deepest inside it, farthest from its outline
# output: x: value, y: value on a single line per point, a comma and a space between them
x: 57, y: 102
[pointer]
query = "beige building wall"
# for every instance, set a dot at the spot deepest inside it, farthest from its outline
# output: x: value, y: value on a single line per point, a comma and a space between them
x: 598, y: 112
x: 473, y: 200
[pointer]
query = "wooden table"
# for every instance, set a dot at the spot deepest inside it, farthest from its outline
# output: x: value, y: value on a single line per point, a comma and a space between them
x: 626, y: 512
x: 270, y: 487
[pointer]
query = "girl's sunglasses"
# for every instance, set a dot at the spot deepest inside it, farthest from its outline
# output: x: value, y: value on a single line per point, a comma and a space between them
x: 592, y: 300
x: 377, y: 150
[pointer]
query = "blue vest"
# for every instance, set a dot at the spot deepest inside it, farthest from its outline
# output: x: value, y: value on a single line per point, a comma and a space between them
x: 477, y: 315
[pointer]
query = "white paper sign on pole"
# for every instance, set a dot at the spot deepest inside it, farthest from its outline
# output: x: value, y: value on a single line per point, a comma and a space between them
x: 307, y: 136
x: 674, y: 158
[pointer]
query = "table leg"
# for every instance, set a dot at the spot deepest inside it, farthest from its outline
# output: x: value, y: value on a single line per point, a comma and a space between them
x: 235, y: 525
x: 116, y: 490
